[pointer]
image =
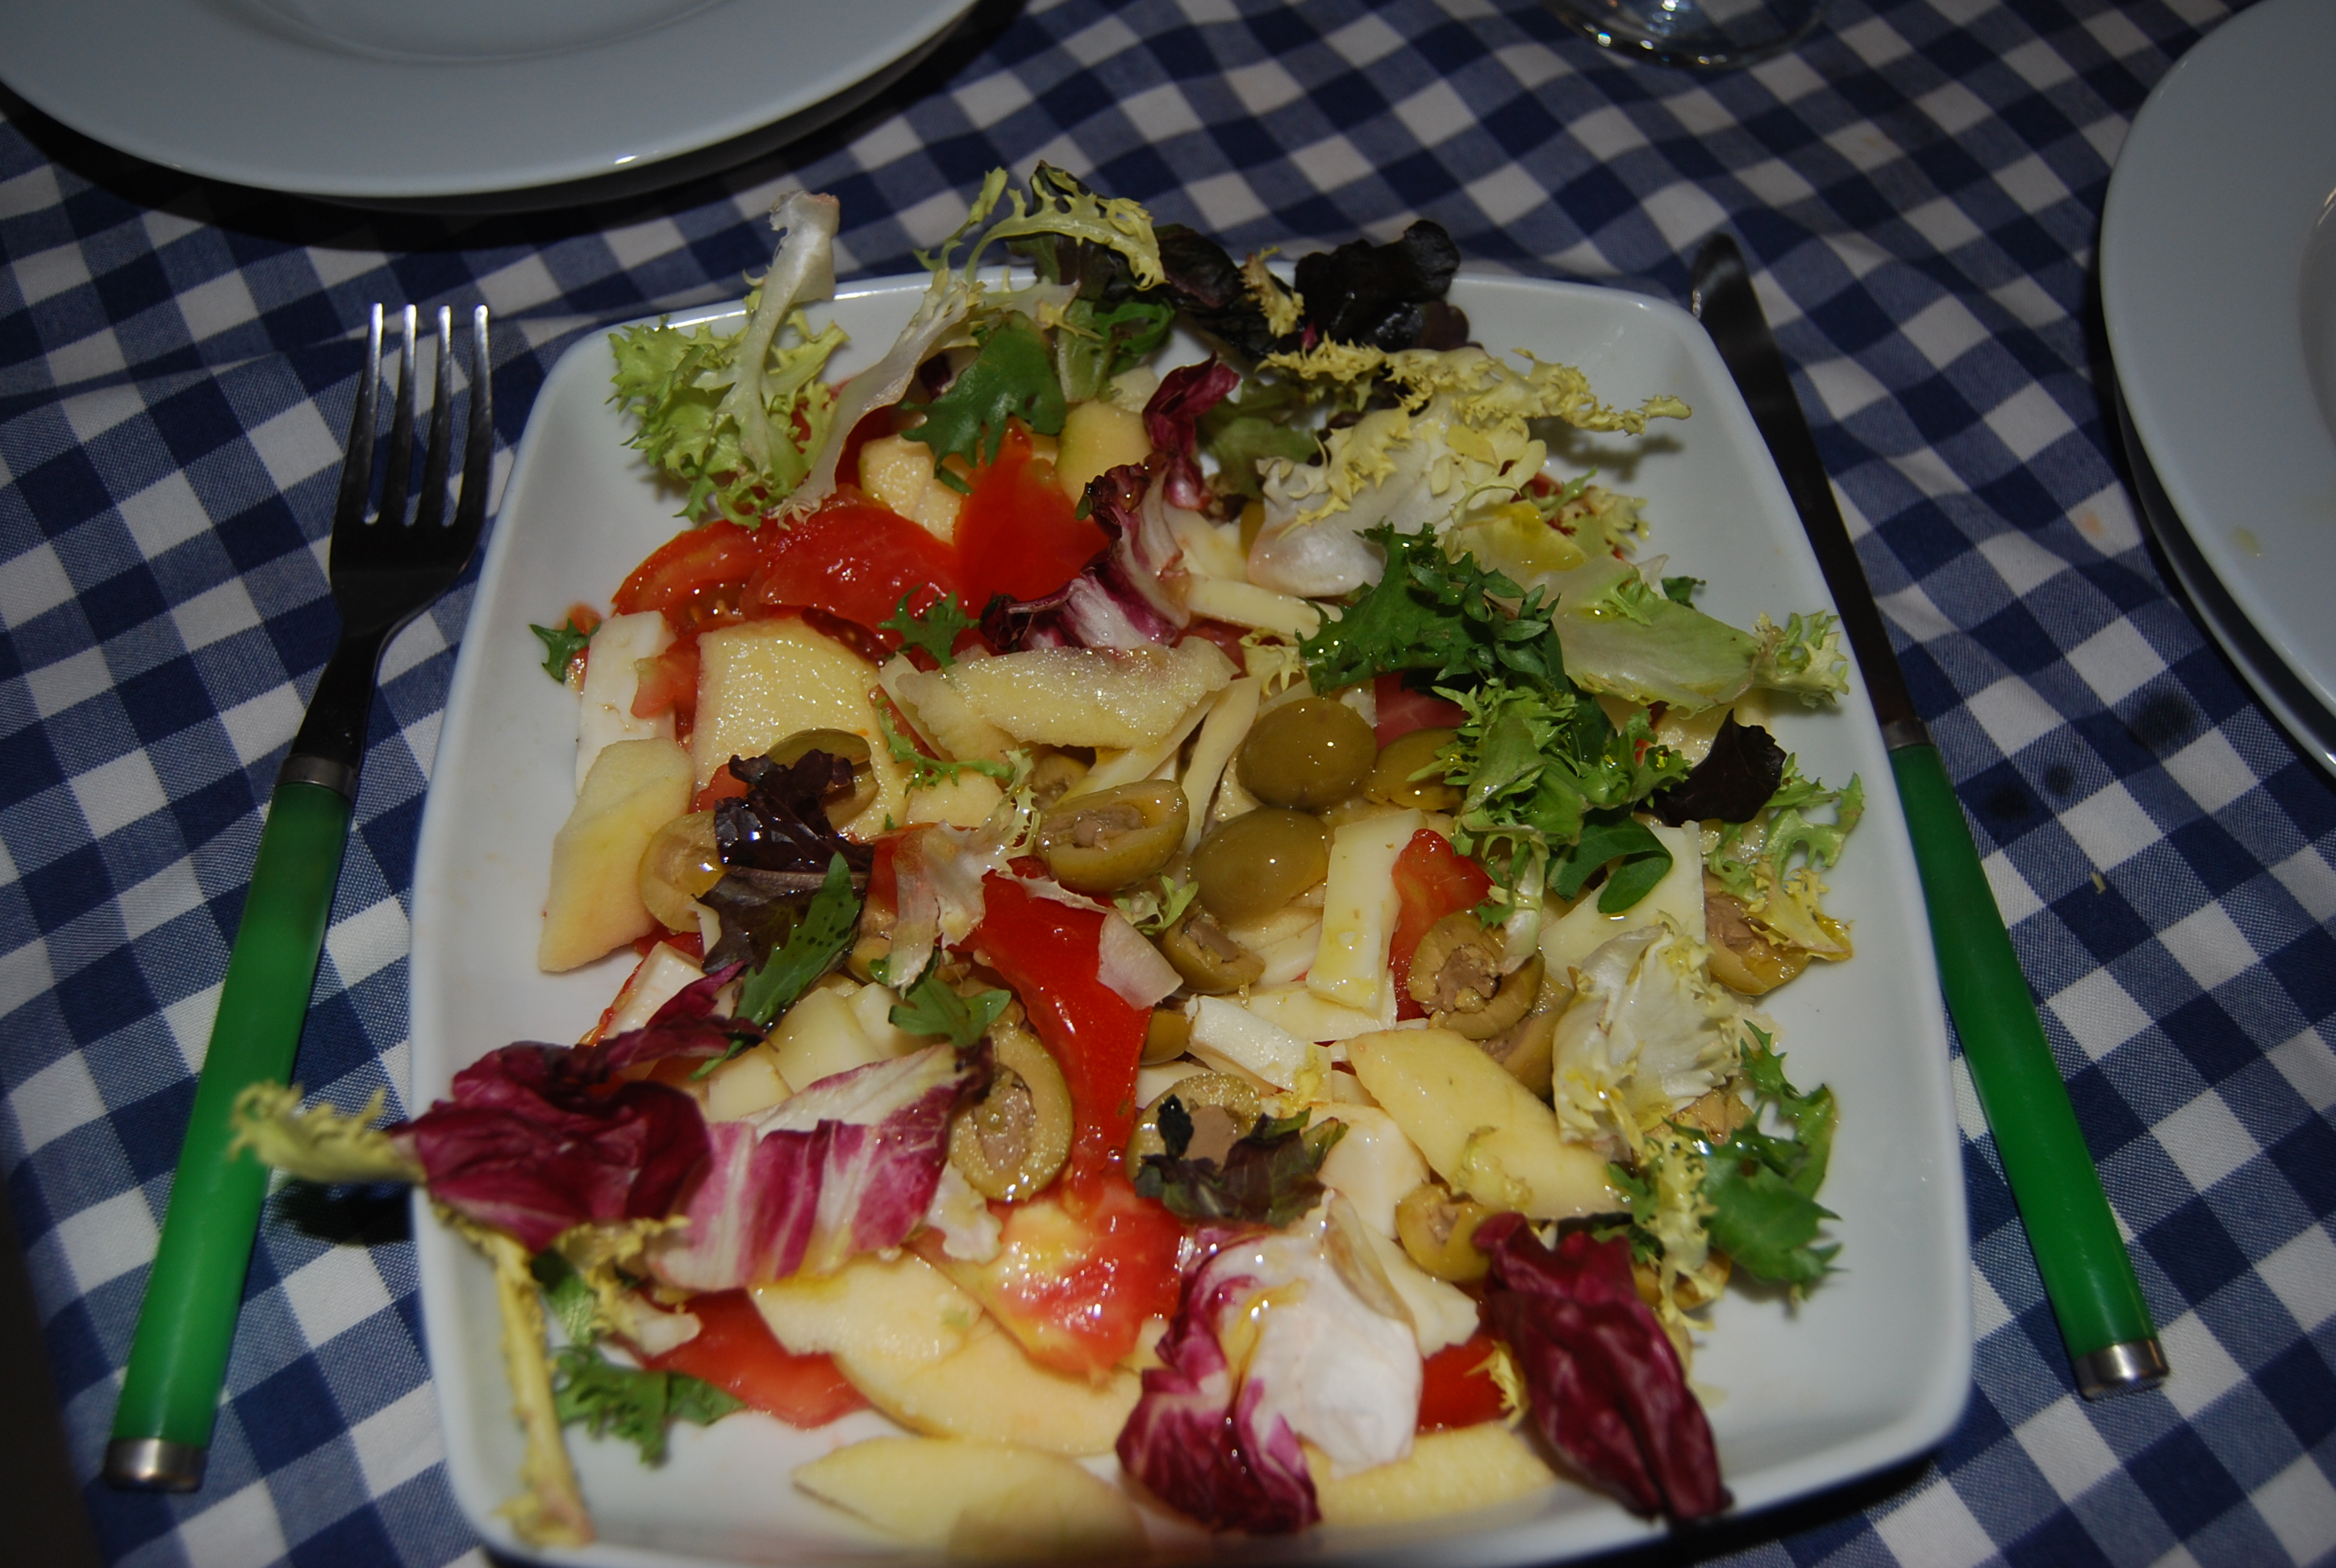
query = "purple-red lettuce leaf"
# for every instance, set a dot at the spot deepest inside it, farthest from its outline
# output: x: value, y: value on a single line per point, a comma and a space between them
x: 778, y: 844
x: 1198, y: 1448
x: 687, y: 1025
x: 1172, y: 419
x: 1391, y: 296
x: 534, y: 1141
x: 847, y: 1166
x: 1117, y: 601
x: 1207, y: 286
x: 1730, y: 784
x: 1605, y: 1387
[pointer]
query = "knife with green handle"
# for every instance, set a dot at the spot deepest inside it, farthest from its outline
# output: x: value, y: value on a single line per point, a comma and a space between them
x: 383, y: 573
x: 2088, y: 1273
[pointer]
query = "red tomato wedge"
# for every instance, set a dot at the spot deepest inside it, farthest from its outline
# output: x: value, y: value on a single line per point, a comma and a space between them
x: 1076, y: 1290
x: 852, y: 559
x: 1049, y: 953
x: 735, y: 1351
x: 1432, y: 879
x: 1453, y: 1388
x: 694, y: 577
x: 1017, y: 533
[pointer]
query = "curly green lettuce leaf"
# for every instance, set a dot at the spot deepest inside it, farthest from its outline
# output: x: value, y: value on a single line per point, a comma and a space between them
x: 1772, y: 863
x: 736, y: 417
x: 1096, y: 342
x: 632, y: 1403
x: 321, y: 1143
x: 934, y: 628
x: 1448, y: 618
x: 561, y: 644
x: 1762, y: 1186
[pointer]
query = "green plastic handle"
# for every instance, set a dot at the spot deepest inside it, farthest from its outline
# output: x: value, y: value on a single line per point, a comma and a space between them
x: 2087, y: 1275
x: 178, y: 1359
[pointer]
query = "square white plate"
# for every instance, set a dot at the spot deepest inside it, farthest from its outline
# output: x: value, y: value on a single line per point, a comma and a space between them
x: 1872, y: 1369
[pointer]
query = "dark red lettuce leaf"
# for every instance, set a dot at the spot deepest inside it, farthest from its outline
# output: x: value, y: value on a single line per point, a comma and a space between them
x: 776, y: 844
x: 1606, y: 1389
x: 1391, y: 296
x: 1172, y: 417
x: 1731, y: 784
x: 535, y: 1140
x: 1198, y: 1449
x: 1207, y: 286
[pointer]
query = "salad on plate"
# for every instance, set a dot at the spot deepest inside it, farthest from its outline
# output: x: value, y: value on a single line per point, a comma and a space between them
x: 1209, y: 915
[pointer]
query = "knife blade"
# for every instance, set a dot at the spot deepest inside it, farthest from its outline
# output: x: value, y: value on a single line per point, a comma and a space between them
x: 2088, y: 1273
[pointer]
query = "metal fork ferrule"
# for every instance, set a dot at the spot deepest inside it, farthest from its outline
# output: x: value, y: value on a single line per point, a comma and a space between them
x: 319, y: 769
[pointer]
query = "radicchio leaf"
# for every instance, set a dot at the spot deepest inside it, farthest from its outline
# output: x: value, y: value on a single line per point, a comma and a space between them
x: 1607, y: 1390
x: 847, y: 1166
x: 1198, y: 1449
x: 1116, y: 601
x: 1172, y: 419
x: 687, y: 1025
x: 1731, y: 784
x: 534, y: 1143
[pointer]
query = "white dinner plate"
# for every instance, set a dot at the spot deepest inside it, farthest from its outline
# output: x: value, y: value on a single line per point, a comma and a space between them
x: 1872, y: 1369
x: 2218, y: 285
x: 451, y: 102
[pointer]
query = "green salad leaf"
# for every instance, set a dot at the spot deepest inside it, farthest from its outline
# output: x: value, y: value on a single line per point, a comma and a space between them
x: 1762, y: 1187
x: 561, y: 644
x: 930, y: 1007
x: 632, y: 1403
x: 934, y: 628
x: 1012, y: 376
x: 815, y: 946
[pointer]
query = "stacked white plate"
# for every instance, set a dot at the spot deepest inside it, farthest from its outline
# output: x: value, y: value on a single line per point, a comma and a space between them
x: 449, y: 104
x: 2218, y: 283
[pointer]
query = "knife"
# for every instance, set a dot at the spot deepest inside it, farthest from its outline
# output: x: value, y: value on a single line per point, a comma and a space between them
x: 2088, y: 1273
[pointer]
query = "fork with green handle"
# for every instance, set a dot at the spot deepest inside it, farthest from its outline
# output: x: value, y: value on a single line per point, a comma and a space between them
x: 383, y: 573
x: 2088, y: 1274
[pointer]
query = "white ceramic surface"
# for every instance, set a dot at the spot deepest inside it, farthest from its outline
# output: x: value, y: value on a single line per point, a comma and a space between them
x: 2218, y: 285
x: 429, y: 99
x: 1872, y: 1369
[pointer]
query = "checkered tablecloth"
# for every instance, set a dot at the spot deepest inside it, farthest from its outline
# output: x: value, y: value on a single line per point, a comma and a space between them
x: 1919, y: 188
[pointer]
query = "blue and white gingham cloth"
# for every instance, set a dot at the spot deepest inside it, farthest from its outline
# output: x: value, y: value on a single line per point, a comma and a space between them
x: 1919, y: 187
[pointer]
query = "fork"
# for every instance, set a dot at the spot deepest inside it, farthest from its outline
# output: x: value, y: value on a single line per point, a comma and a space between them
x: 384, y: 572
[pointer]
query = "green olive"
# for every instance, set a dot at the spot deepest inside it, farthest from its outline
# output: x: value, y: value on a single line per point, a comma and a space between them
x: 1439, y: 1231
x: 1100, y: 842
x: 1053, y: 774
x: 1209, y: 962
x: 1167, y: 1036
x: 1392, y: 779
x: 852, y: 748
x: 1200, y: 1091
x: 1307, y: 754
x: 680, y: 863
x: 1456, y: 975
x: 1011, y: 1143
x: 1526, y: 1048
x: 1256, y: 863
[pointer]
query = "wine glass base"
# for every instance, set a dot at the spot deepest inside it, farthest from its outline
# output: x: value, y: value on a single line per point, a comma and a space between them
x: 1697, y: 35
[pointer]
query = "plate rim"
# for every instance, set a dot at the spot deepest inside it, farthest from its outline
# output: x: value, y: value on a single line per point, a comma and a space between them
x: 1919, y: 1426
x: 59, y: 54
x: 2183, y: 461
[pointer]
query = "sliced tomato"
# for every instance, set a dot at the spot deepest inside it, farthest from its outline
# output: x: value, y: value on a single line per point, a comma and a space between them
x: 1402, y: 710
x: 1431, y: 880
x: 735, y: 1351
x: 1076, y: 1288
x: 693, y: 578
x: 668, y: 683
x: 1050, y: 953
x: 1454, y: 1390
x: 852, y: 559
x: 1017, y: 533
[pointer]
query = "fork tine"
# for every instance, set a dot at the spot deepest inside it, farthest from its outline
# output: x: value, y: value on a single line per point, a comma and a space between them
x: 395, y: 487
x: 478, y: 453
x: 356, y: 468
x: 431, y: 511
